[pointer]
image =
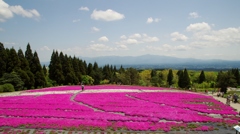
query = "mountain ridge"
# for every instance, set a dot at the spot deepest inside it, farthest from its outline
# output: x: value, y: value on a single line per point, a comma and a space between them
x: 159, y: 61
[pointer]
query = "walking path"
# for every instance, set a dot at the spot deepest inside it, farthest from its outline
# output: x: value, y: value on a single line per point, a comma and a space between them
x: 223, y: 100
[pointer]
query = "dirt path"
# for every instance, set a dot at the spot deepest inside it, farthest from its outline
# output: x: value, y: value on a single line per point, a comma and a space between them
x: 223, y: 100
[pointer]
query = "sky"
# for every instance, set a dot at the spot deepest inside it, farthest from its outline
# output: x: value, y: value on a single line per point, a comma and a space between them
x: 201, y: 29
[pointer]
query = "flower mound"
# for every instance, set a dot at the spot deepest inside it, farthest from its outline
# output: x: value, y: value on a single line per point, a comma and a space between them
x: 142, y: 111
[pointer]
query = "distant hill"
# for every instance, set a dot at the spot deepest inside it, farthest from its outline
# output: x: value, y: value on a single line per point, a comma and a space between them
x: 157, y: 61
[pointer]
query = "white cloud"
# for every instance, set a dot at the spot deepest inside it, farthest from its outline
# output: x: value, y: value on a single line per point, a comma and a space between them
x: 103, y: 39
x: 222, y: 37
x: 167, y: 48
x: 1, y: 29
x: 194, y: 15
x: 124, y: 47
x: 108, y: 15
x: 94, y: 29
x: 123, y: 37
x: 178, y: 37
x: 136, y: 35
x: 136, y: 39
x: 150, y: 20
x: 101, y: 47
x: 77, y: 20
x: 7, y: 12
x: 198, y: 27
x: 84, y: 8
x: 24, y: 13
x: 131, y: 41
x: 147, y: 38
x: 45, y: 48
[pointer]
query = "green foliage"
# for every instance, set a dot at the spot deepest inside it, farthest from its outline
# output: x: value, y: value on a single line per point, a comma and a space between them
x: 226, y: 79
x: 201, y: 77
x: 87, y: 80
x: 3, y: 60
x: 133, y: 76
x: 12, y: 78
x: 170, y: 77
x: 105, y: 81
x: 184, y: 79
x: 13, y: 63
x: 7, y: 87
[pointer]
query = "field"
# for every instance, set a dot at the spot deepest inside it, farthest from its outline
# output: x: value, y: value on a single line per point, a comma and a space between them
x: 112, y: 108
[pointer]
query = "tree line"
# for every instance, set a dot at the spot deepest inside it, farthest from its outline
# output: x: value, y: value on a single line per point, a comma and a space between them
x: 22, y: 71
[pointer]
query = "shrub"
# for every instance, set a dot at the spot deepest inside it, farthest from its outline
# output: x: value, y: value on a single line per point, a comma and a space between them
x: 7, y: 88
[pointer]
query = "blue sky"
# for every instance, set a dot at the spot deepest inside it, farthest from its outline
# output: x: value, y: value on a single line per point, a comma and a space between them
x: 90, y: 28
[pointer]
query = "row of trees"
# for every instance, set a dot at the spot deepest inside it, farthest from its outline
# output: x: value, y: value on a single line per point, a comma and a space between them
x: 67, y: 70
x: 24, y: 71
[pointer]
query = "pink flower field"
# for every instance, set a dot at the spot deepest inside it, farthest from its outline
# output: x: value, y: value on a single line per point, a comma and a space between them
x: 139, y: 110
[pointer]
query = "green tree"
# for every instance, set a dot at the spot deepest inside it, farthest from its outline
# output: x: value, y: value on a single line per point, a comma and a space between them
x: 180, y: 78
x: 226, y: 79
x: 68, y: 70
x: 13, y: 61
x: 24, y: 67
x: 97, y: 76
x: 29, y: 57
x: 40, y: 80
x: 170, y: 77
x: 44, y: 70
x: 55, y: 69
x: 12, y: 78
x: 76, y: 68
x: 3, y: 60
x: 235, y: 72
x: 186, y: 79
x: 133, y: 76
x: 201, y: 77
x: 88, y: 80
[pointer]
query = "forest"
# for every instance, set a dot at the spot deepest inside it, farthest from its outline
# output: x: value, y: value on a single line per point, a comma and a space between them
x: 22, y: 71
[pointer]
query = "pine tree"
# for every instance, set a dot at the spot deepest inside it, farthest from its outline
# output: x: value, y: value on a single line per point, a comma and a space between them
x: 55, y: 69
x: 24, y: 67
x: 68, y: 70
x: 186, y: 79
x: 90, y: 69
x: 29, y: 57
x: 170, y: 77
x: 133, y: 76
x: 44, y: 70
x: 40, y: 80
x: 121, y: 69
x: 13, y: 61
x: 3, y: 60
x: 82, y: 67
x: 180, y: 78
x: 201, y: 77
x: 97, y: 74
x: 153, y: 73
x: 76, y: 68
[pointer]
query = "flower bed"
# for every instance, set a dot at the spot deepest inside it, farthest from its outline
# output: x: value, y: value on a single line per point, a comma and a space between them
x: 87, y: 87
x: 142, y: 111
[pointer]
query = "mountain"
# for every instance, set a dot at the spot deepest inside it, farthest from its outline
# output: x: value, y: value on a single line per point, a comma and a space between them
x: 157, y: 61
